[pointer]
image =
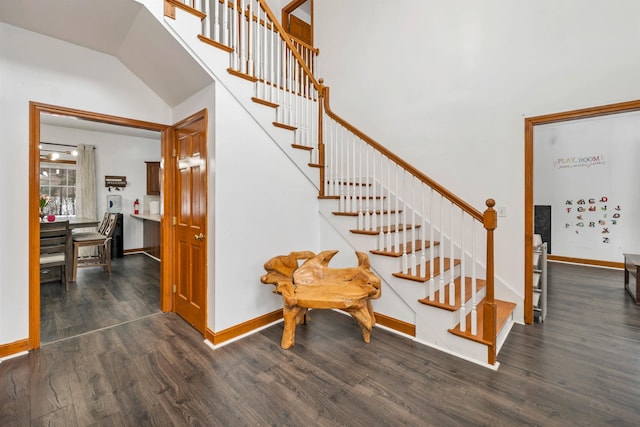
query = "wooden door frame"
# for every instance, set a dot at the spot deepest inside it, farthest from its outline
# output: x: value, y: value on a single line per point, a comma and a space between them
x: 529, y: 124
x: 172, y: 205
x: 35, y: 109
x: 293, y: 5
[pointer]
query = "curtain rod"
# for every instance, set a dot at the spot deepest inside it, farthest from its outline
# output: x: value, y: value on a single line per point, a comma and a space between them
x: 60, y: 145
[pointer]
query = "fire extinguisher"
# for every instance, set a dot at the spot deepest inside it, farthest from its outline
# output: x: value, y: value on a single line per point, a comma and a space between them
x: 136, y: 207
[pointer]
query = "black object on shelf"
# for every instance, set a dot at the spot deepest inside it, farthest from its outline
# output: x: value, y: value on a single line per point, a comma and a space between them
x: 117, y: 243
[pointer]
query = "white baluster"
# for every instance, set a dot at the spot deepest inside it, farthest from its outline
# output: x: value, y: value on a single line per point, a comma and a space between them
x: 452, y: 275
x: 279, y: 82
x: 249, y: 43
x: 272, y: 66
x: 374, y: 192
x: 344, y: 165
x: 396, y: 234
x: 414, y: 237
x: 405, y: 258
x: 225, y: 23
x: 259, y: 54
x: 463, y: 284
x: 389, y: 244
x: 423, y: 233
x: 206, y: 22
x: 216, y: 20
x: 367, y: 210
x: 359, y: 182
x: 442, y: 252
x: 474, y: 313
x: 233, y: 24
x: 432, y: 284
x: 243, y: 39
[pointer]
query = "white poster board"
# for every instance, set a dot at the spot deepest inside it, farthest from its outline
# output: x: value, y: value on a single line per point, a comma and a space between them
x: 588, y: 171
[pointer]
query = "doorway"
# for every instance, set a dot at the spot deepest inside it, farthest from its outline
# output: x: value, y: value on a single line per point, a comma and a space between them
x: 297, y: 20
x: 529, y: 221
x: 37, y: 110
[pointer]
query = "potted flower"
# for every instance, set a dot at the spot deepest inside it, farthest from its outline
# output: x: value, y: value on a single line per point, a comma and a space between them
x: 44, y: 201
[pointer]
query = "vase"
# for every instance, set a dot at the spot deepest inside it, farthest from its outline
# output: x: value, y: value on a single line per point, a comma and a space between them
x: 42, y: 215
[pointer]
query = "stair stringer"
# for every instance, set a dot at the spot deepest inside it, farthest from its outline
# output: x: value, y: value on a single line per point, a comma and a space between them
x: 186, y: 28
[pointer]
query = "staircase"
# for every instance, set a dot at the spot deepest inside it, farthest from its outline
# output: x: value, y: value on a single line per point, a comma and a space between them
x: 432, y: 248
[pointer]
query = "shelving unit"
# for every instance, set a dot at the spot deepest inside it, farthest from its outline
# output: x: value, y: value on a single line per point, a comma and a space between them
x: 539, y: 279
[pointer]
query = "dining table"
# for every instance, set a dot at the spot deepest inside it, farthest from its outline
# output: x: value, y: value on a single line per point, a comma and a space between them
x: 80, y: 222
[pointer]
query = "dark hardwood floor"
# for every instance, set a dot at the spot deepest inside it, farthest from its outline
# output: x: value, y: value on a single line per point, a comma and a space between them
x: 97, y: 300
x: 580, y: 368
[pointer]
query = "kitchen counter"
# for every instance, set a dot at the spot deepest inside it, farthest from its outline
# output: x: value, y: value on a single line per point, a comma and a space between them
x: 147, y: 216
x: 150, y: 233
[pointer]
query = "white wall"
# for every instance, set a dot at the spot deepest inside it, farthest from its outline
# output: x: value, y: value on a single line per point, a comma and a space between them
x: 447, y: 84
x: 264, y: 207
x: 37, y: 68
x: 116, y: 154
x: 584, y: 169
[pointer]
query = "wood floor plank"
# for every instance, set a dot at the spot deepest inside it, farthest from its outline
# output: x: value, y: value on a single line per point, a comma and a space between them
x: 97, y: 300
x: 579, y: 367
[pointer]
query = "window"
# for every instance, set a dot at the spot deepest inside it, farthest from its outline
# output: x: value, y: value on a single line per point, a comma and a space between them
x: 58, y: 183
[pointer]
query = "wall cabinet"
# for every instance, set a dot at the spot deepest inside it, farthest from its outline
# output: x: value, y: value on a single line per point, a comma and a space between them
x: 153, y: 178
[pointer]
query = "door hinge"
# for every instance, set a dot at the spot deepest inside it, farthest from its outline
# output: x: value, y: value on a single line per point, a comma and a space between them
x: 174, y: 288
x: 174, y: 152
x: 174, y: 220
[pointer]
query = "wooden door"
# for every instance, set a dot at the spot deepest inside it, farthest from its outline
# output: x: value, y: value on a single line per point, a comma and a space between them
x: 300, y: 30
x: 190, y: 220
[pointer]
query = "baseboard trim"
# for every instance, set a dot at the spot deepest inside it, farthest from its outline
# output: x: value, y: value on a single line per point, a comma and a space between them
x: 596, y: 262
x: 396, y: 324
x: 217, y: 338
x: 14, y: 347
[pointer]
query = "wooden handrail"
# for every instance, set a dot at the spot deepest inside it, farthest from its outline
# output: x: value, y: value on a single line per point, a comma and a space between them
x: 409, y: 168
x: 304, y: 44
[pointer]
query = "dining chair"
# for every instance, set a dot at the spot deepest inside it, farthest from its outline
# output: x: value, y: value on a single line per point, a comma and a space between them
x: 100, y: 240
x: 55, y: 250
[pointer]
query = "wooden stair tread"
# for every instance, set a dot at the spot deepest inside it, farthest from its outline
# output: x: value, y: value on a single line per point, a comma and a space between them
x: 264, y: 102
x: 417, y: 275
x: 458, y: 301
x: 386, y: 229
x: 284, y: 126
x: 302, y: 147
x: 503, y: 311
x: 378, y: 212
x: 419, y: 245
x: 242, y: 75
x: 214, y: 43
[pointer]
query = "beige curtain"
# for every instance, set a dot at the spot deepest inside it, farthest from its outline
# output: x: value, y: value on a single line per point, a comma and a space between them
x: 86, y: 190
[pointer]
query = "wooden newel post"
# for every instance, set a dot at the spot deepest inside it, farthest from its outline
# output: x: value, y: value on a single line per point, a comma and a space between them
x: 490, y: 313
x: 321, y: 93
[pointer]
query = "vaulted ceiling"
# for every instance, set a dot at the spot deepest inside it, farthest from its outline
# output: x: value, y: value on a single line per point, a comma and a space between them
x: 122, y: 28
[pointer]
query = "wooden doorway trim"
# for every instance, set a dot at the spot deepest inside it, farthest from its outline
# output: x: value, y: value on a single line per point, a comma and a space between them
x: 289, y: 8
x: 35, y: 109
x: 529, y: 124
